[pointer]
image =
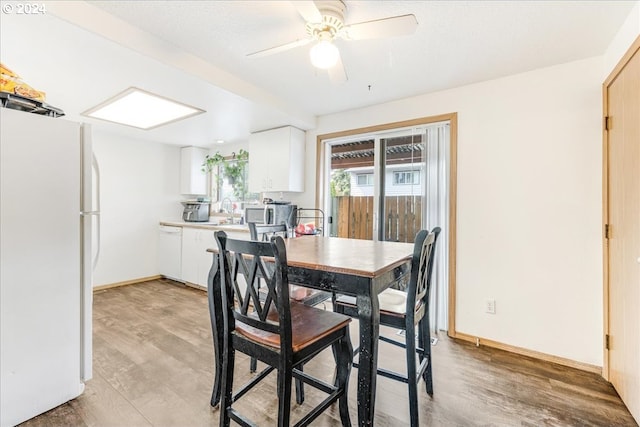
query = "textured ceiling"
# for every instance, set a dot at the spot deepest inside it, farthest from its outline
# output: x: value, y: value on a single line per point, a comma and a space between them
x: 82, y: 53
x: 456, y: 43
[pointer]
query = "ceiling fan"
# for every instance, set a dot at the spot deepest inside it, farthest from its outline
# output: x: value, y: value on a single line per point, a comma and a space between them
x: 325, y: 22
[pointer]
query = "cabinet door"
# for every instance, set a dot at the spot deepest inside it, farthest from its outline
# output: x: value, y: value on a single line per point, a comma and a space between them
x: 190, y: 250
x: 196, y: 261
x: 206, y: 241
x: 192, y: 179
x: 260, y: 161
x: 276, y: 161
x: 289, y: 152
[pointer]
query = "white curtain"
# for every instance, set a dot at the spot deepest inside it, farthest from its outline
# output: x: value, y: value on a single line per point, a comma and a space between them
x: 437, y: 215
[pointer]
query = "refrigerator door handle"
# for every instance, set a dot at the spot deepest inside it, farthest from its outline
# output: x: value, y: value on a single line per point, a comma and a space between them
x: 95, y: 214
x: 96, y: 168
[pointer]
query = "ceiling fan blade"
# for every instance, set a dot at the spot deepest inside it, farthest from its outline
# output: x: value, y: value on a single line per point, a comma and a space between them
x: 337, y: 73
x: 403, y: 25
x: 277, y: 49
x: 308, y: 10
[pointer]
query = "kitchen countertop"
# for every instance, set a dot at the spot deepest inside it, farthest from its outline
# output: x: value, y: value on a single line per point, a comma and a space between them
x: 208, y: 226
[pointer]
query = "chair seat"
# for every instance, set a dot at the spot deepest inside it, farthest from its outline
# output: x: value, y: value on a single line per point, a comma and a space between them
x: 308, y: 325
x: 308, y: 296
x: 303, y: 295
x: 392, y: 302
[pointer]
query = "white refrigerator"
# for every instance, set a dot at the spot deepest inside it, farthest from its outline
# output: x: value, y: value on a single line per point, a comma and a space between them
x: 49, y: 218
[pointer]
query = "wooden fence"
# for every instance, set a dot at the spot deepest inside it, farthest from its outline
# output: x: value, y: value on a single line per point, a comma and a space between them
x: 353, y: 217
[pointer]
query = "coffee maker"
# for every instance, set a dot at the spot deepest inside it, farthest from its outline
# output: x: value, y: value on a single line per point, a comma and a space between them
x: 195, y: 211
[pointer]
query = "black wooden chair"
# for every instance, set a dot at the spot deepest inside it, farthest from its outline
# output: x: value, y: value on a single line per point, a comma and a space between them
x: 282, y: 333
x: 307, y: 296
x: 263, y: 232
x: 404, y: 311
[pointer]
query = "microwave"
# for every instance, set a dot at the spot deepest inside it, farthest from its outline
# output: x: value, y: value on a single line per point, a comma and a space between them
x: 254, y: 214
x: 272, y: 214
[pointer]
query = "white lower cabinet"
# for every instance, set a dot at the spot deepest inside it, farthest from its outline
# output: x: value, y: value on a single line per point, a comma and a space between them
x: 196, y: 261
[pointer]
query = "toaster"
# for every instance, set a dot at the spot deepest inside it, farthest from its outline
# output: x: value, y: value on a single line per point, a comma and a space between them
x: 195, y: 211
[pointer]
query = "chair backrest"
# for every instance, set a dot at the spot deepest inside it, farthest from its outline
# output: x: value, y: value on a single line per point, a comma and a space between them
x: 421, y: 272
x: 262, y: 265
x: 264, y: 232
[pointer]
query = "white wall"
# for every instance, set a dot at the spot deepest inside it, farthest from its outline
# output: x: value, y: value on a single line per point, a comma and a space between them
x: 626, y: 35
x: 528, y: 199
x: 140, y: 186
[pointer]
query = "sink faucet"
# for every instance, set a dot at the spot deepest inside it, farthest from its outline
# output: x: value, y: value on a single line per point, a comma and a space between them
x: 227, y: 207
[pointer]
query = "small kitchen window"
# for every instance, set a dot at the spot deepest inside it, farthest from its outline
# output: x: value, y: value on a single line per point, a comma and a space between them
x: 406, y: 177
x: 364, y: 179
x: 229, y: 179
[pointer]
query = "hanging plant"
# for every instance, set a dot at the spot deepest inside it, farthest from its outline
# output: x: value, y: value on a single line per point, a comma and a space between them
x: 211, y: 164
x: 233, y: 169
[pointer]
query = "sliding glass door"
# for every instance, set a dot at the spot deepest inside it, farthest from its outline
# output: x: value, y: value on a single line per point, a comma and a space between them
x: 389, y: 184
x: 378, y: 183
x: 402, y: 185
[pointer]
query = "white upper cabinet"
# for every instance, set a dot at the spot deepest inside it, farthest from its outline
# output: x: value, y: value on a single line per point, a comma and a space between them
x: 192, y: 179
x: 276, y: 160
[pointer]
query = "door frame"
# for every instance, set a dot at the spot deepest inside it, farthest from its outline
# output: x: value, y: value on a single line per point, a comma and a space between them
x: 633, y: 49
x: 453, y: 156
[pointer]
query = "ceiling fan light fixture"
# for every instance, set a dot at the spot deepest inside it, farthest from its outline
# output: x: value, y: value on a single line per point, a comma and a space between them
x: 324, y: 54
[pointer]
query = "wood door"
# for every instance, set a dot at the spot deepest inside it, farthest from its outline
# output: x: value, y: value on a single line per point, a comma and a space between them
x: 622, y: 100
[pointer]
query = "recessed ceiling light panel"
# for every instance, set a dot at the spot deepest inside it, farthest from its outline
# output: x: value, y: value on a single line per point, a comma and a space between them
x: 141, y: 109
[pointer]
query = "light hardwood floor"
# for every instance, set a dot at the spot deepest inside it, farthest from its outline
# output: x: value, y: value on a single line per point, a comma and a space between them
x: 153, y: 366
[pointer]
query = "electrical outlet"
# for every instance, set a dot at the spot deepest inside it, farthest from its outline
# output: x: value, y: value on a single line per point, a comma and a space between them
x: 490, y: 306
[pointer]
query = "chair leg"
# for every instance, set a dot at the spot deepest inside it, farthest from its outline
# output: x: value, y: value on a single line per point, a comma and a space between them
x: 253, y: 367
x: 214, y: 295
x: 336, y: 307
x: 410, y: 335
x: 215, y: 394
x: 228, y: 362
x: 342, y: 352
x: 425, y: 344
x: 300, y: 388
x: 284, y: 394
x: 428, y: 379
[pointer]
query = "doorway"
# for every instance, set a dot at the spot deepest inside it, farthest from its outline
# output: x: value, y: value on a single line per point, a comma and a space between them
x: 622, y: 228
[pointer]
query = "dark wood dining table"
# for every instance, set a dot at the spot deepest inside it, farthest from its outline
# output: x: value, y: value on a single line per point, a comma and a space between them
x: 360, y: 268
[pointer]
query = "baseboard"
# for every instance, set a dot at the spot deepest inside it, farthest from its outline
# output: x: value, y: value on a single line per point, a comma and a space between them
x: 530, y: 353
x: 194, y: 286
x: 127, y: 282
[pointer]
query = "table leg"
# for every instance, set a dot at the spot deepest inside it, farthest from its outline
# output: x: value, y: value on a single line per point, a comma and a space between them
x: 214, y: 295
x: 369, y: 318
